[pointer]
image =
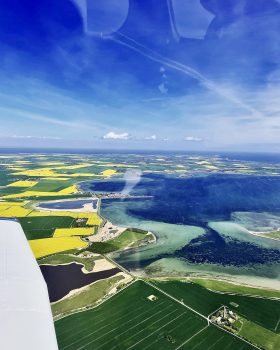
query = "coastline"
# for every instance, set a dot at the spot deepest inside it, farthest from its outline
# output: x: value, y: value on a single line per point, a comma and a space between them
x: 86, y: 208
x: 263, y: 234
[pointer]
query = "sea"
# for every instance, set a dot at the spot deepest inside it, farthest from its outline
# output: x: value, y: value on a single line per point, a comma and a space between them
x: 202, y: 224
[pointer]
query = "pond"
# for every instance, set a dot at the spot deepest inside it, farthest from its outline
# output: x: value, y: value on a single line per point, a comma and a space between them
x: 61, y: 279
x: 73, y: 204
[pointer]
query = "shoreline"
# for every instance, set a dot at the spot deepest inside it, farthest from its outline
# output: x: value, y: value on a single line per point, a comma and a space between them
x: 86, y: 208
x: 262, y: 234
x: 226, y: 279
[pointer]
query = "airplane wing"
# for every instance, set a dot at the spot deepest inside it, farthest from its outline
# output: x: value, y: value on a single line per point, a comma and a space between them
x: 26, y: 321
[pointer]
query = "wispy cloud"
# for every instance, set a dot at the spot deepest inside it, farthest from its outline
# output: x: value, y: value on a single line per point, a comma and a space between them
x: 49, y: 120
x: 115, y: 136
x: 125, y: 40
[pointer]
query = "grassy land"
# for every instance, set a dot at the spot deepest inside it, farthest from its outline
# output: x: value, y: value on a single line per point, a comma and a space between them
x: 43, y: 226
x: 130, y: 320
x: 86, y: 298
x: 215, y: 339
x: 261, y: 316
x: 52, y: 185
x: 260, y: 336
x: 11, y: 190
x: 127, y: 238
x: 235, y: 288
x: 264, y: 312
x: 58, y: 259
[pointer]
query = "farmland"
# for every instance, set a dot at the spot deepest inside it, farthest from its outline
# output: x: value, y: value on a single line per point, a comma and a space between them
x: 125, y: 239
x: 51, y: 232
x: 129, y: 320
x: 222, y: 286
x: 44, y: 226
x: 257, y: 313
x: 264, y: 312
x: 86, y: 298
x: 46, y: 246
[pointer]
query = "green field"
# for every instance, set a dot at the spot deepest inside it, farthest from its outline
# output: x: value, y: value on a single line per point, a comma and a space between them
x: 122, y: 241
x: 235, y: 288
x: 264, y: 312
x: 51, y: 185
x: 4, y: 191
x: 259, y: 335
x: 129, y: 320
x: 86, y: 298
x: 43, y: 226
x: 58, y: 259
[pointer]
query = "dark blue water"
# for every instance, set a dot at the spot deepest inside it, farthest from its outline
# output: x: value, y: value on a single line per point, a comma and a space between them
x: 104, y: 186
x: 250, y: 156
x: 215, y: 248
x: 198, y: 200
x: 61, y: 279
x: 75, y: 204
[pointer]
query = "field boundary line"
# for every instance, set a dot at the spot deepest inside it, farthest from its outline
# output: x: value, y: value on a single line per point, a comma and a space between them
x: 206, y: 318
x: 235, y: 335
x: 178, y: 301
x: 127, y: 330
x: 174, y: 319
x: 216, y: 342
x: 110, y: 331
x: 156, y: 321
x: 118, y: 319
x: 156, y: 340
x: 186, y: 341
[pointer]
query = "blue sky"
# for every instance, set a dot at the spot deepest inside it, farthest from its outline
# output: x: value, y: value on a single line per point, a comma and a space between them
x: 140, y: 74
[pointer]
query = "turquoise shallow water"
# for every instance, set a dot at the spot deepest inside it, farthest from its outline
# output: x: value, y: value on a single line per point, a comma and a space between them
x: 196, y: 229
x: 160, y: 259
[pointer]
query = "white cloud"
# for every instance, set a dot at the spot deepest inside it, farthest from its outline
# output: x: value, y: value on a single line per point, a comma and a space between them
x: 151, y: 138
x: 115, y: 136
x: 193, y: 139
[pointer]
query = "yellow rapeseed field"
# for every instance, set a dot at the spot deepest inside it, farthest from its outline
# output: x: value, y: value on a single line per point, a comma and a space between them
x: 211, y: 167
x: 57, y: 179
x: 18, y: 204
x: 65, y: 191
x: 73, y: 231
x: 7, y: 210
x: 71, y: 167
x: 47, y: 246
x: 41, y: 172
x: 92, y: 218
x: 51, y: 163
x: 25, y: 183
x: 82, y: 175
x: 108, y: 172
